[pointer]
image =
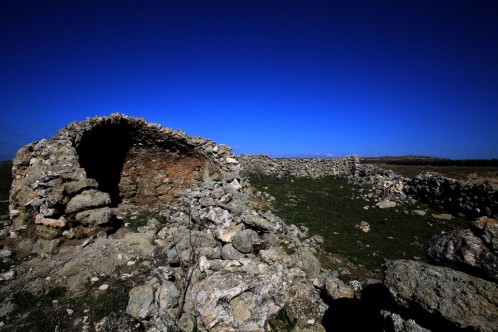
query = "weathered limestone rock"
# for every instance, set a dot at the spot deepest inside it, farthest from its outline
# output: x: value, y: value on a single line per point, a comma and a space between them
x: 258, y: 223
x: 167, y: 295
x: 465, y: 301
x: 306, y: 260
x: 337, y: 289
x: 88, y: 199
x: 395, y: 323
x: 243, y: 240
x: 238, y: 301
x: 487, y: 229
x: 95, y: 216
x: 229, y: 252
x: 463, y: 249
x: 139, y: 304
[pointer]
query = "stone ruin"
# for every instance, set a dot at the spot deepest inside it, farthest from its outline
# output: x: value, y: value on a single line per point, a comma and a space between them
x: 70, y: 185
x: 217, y: 263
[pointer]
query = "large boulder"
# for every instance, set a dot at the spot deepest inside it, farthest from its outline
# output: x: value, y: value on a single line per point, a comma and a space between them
x: 464, y: 250
x: 456, y: 298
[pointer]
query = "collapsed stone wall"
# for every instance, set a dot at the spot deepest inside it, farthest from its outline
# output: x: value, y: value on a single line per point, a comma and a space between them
x: 441, y: 193
x: 470, y: 199
x: 69, y: 185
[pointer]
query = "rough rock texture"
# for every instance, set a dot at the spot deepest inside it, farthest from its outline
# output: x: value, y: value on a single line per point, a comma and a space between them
x: 312, y: 167
x: 395, y: 323
x: 458, y: 298
x: 487, y: 230
x: 464, y: 250
x: 71, y: 181
x: 454, y: 196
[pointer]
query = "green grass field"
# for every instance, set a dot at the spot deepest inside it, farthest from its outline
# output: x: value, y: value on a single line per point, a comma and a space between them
x: 328, y: 206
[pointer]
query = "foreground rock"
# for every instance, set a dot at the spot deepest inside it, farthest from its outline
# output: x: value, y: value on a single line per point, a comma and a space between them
x: 457, y: 298
x: 463, y: 250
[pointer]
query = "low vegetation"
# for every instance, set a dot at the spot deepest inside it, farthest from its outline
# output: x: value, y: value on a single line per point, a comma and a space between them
x: 56, y: 309
x: 331, y: 207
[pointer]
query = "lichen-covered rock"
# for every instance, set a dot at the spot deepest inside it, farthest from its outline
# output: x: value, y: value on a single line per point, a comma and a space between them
x: 465, y: 301
x: 337, y: 289
x: 393, y: 322
x: 243, y: 240
x: 141, y: 299
x: 487, y: 229
x: 461, y: 248
x: 88, y: 199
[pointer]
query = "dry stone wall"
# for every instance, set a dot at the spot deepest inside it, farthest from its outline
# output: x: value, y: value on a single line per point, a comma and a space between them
x: 441, y: 193
x: 469, y: 199
x: 300, y: 167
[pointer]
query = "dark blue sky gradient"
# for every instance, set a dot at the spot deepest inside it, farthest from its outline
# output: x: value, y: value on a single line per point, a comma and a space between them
x: 287, y: 78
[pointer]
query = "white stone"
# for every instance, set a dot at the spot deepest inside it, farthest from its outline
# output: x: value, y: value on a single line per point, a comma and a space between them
x: 387, y: 204
x: 236, y: 184
x: 103, y: 287
x: 231, y: 160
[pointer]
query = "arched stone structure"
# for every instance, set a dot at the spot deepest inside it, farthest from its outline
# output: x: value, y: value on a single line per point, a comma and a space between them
x: 71, y: 184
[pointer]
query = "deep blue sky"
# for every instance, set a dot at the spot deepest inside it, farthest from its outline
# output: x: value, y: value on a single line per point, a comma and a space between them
x: 287, y: 78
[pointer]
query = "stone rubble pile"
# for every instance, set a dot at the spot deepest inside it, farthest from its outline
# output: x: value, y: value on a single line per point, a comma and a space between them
x: 230, y: 264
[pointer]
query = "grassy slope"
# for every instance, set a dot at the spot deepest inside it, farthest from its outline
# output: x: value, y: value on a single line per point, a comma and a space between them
x: 329, y: 208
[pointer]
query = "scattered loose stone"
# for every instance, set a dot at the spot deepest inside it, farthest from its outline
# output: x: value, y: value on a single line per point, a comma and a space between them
x: 419, y: 212
x: 387, y: 204
x: 363, y: 226
x: 103, y: 287
x: 442, y: 216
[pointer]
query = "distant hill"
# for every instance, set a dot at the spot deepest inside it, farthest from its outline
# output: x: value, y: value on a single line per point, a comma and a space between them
x: 427, y: 160
x: 401, y: 159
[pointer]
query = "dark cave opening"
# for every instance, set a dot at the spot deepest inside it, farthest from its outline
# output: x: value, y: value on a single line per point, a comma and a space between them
x: 102, y: 153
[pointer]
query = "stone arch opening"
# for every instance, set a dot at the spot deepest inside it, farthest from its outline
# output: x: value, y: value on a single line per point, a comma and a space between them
x: 102, y: 153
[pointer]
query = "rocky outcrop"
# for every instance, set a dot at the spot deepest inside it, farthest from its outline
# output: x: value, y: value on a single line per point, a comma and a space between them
x: 441, y: 296
x: 70, y: 183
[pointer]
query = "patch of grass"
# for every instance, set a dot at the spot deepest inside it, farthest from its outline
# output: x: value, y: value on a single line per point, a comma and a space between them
x: 142, y: 218
x: 328, y: 206
x: 41, y: 313
x: 36, y: 313
x: 103, y: 303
